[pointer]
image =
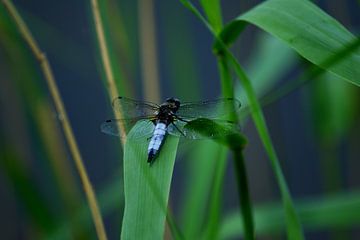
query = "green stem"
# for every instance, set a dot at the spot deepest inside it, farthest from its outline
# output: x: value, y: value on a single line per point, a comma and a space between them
x: 228, y: 91
x: 225, y: 76
x: 240, y: 170
x: 294, y: 229
x: 244, y: 196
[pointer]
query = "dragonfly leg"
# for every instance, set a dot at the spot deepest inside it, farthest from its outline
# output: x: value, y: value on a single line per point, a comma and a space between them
x: 181, y: 119
x: 178, y: 129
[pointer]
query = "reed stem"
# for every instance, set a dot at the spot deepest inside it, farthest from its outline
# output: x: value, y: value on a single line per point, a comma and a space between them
x: 50, y: 80
x: 149, y: 63
x: 109, y: 72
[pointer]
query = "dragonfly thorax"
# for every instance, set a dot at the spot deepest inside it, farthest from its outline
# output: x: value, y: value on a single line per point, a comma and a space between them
x: 168, y: 109
x: 165, y: 114
x: 172, y: 103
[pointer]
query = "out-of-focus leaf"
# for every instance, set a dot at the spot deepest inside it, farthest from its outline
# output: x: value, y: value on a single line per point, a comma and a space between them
x: 146, y: 187
x: 307, y: 29
x: 46, y: 138
x: 334, y: 107
x: 177, y: 33
x: 110, y: 200
x: 214, y: 213
x: 265, y: 70
x: 203, y: 163
x: 35, y: 205
x: 334, y: 110
x: 333, y: 212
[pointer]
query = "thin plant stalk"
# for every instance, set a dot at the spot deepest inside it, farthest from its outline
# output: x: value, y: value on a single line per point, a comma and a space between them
x: 240, y: 170
x: 244, y: 194
x: 104, y: 51
x: 149, y: 62
x: 50, y: 80
x: 238, y: 159
x: 292, y: 219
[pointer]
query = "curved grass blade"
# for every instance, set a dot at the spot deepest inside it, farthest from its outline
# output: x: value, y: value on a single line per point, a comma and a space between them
x: 312, y: 33
x: 294, y: 229
x: 146, y: 187
x: 332, y: 212
x: 212, y: 10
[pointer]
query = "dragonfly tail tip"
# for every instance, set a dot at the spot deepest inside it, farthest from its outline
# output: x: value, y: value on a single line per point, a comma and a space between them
x: 151, y: 158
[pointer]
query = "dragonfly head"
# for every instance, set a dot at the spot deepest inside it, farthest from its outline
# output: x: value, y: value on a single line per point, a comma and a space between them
x: 173, y: 104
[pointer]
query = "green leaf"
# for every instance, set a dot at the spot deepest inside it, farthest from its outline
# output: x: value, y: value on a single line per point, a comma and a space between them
x: 222, y: 132
x: 312, y: 33
x: 332, y: 212
x: 212, y: 10
x: 146, y: 187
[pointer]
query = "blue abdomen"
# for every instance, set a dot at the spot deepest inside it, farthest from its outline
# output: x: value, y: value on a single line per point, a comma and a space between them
x: 156, y: 141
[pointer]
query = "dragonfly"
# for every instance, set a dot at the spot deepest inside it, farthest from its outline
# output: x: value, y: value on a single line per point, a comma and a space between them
x: 171, y: 117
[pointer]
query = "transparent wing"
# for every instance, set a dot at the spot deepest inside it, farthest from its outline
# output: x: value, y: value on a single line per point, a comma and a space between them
x: 130, y: 108
x: 202, y: 128
x: 111, y: 127
x: 214, y: 109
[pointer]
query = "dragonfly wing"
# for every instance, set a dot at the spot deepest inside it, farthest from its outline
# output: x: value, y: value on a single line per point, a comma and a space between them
x: 215, y: 109
x: 144, y: 129
x: 111, y: 127
x: 202, y: 128
x: 130, y: 108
